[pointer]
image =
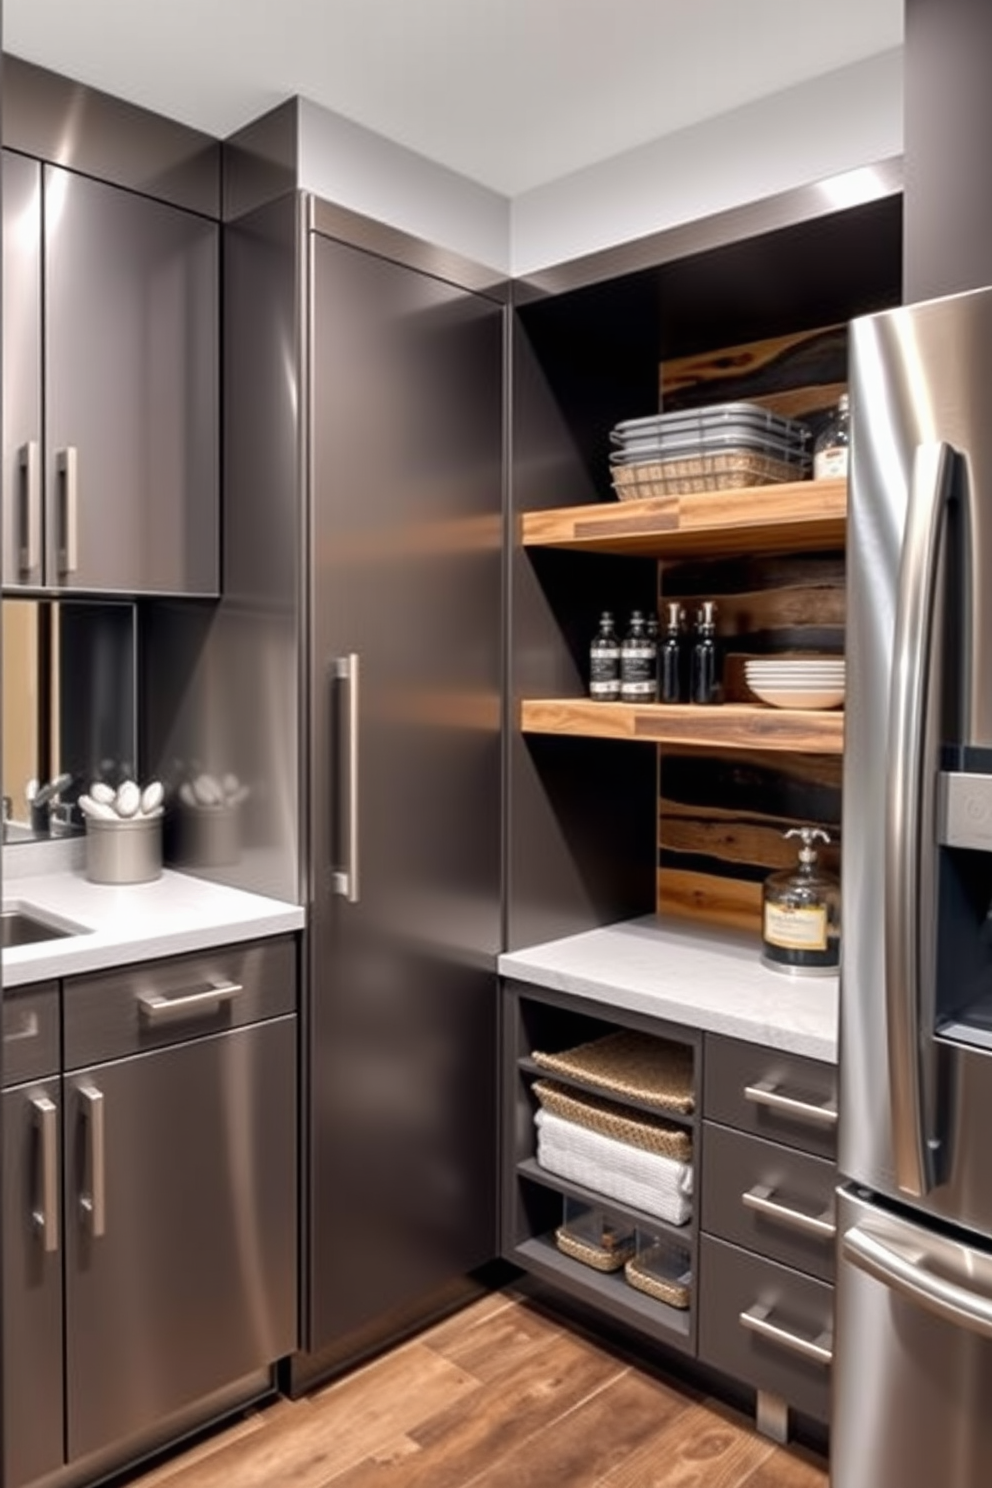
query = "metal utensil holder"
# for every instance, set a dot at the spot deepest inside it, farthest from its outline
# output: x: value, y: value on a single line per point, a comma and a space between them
x: 124, y: 852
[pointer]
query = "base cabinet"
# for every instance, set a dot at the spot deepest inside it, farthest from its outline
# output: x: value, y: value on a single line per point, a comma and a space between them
x: 150, y: 1207
x: 756, y: 1292
x: 766, y: 1261
x: 32, y: 1251
x: 178, y: 1263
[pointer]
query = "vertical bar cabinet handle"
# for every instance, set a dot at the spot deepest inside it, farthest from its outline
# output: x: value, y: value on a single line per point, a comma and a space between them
x: 345, y: 881
x: 67, y: 465
x: 46, y: 1215
x: 29, y: 462
x: 905, y: 838
x: 94, y: 1201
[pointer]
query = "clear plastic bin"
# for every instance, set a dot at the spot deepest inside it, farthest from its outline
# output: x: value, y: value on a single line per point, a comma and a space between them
x: 595, y: 1237
x: 661, y: 1267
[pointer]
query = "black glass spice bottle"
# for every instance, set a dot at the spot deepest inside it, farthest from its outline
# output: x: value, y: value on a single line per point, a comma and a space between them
x: 638, y: 663
x: 604, y: 662
x: 704, y: 684
x: 671, y: 658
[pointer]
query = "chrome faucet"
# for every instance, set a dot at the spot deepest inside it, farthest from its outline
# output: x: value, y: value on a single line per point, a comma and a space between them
x: 44, y: 805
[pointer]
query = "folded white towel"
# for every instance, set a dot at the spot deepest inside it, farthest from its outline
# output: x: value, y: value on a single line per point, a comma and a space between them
x: 645, y: 1180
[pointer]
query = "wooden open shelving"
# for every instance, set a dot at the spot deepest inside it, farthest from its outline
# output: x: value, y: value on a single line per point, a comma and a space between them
x: 722, y: 726
x: 802, y: 516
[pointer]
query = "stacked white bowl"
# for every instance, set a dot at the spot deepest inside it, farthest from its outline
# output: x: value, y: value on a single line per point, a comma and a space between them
x: 797, y: 681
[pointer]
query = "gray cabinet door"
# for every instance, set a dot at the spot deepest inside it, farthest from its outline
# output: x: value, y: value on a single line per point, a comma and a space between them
x: 131, y: 389
x: 32, y: 1283
x: 181, y: 1233
x: 23, y: 532
x: 406, y: 461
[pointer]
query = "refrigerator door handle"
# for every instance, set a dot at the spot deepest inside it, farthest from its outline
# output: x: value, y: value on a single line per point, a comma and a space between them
x: 345, y: 881
x: 907, y: 1273
x: 907, y: 836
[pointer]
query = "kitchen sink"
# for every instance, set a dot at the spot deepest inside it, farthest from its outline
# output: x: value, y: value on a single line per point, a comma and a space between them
x: 23, y: 924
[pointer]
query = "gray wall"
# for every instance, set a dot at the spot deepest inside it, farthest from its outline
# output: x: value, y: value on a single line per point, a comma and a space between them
x: 948, y: 143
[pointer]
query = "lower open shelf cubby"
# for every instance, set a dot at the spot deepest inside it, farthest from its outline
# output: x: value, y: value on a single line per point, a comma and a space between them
x: 672, y: 1326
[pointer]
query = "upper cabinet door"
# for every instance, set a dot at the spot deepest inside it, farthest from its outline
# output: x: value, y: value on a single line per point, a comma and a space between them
x: 131, y: 391
x: 23, y: 530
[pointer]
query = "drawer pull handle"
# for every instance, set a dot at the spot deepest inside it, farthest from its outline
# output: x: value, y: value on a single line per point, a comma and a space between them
x: 94, y: 1203
x: 757, y: 1319
x: 764, y: 1093
x: 156, y: 1008
x: 761, y: 1199
x: 46, y: 1216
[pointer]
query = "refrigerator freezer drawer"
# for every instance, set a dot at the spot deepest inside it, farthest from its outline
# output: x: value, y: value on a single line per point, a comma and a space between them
x: 780, y: 1096
x: 914, y: 1356
x: 770, y: 1199
x: 766, y: 1324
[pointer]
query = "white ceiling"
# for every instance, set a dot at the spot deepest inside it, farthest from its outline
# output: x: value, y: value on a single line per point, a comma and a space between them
x: 512, y: 93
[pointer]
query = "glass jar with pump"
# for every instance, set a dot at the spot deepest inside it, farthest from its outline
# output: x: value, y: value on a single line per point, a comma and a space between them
x: 704, y: 679
x: 833, y: 443
x: 801, y: 912
x: 671, y: 658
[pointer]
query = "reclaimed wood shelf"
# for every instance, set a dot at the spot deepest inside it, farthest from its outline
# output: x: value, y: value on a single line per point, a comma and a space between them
x: 721, y: 726
x: 802, y: 516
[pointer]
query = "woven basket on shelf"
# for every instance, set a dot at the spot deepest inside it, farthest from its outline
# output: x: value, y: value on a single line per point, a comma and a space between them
x: 631, y: 1065
x: 636, y: 1128
x: 672, y: 1289
x: 598, y: 1257
x: 719, y: 472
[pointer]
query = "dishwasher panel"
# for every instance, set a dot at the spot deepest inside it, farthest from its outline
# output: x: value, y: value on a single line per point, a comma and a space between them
x: 180, y: 1227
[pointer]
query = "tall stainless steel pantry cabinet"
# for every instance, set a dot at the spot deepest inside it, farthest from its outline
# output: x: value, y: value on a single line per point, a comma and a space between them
x: 404, y: 789
x: 363, y: 533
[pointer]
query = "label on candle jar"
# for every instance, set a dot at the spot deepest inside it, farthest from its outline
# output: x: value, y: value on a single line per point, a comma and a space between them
x: 796, y: 928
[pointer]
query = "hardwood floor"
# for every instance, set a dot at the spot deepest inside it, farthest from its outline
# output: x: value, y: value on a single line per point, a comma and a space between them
x: 499, y: 1396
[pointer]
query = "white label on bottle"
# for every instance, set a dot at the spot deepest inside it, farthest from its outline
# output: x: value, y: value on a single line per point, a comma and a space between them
x: 831, y: 462
x: 610, y: 689
x: 796, y: 929
x: 638, y: 692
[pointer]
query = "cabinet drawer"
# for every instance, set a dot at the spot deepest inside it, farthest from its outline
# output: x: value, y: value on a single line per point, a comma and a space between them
x: 767, y: 1325
x: 775, y: 1095
x: 769, y: 1198
x: 31, y: 1033
x: 111, y: 1014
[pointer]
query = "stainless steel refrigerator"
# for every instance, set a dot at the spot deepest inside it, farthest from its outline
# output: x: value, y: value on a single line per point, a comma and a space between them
x: 913, y: 1345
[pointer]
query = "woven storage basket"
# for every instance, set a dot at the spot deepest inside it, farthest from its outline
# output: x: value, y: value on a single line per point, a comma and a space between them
x: 705, y: 472
x: 596, y: 1256
x: 672, y: 1290
x: 631, y: 1065
x: 625, y: 1125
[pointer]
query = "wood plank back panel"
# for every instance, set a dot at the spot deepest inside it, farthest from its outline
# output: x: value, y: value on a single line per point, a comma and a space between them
x: 800, y: 376
x: 721, y: 818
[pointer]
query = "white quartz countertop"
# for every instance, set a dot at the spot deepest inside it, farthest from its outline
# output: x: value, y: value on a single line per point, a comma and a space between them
x: 134, y: 922
x: 700, y: 977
